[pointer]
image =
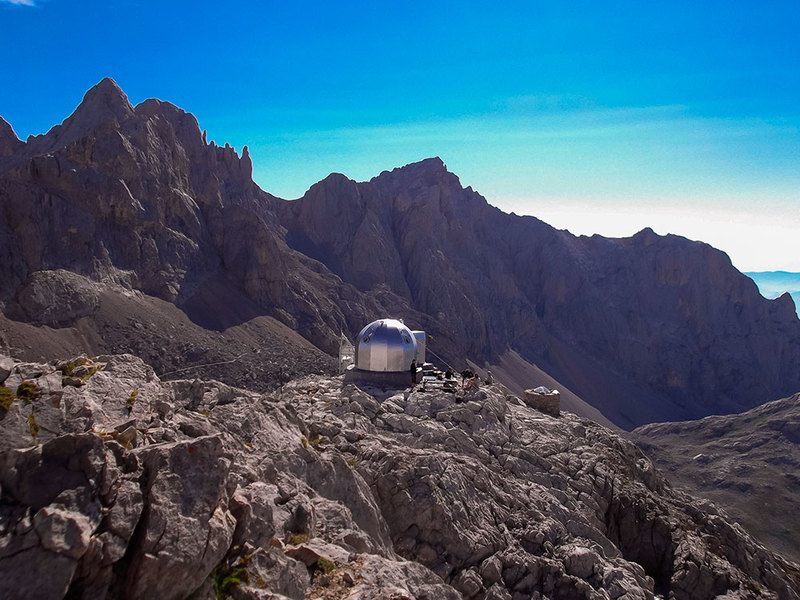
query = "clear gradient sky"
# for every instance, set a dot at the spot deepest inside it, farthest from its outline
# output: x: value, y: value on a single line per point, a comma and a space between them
x: 593, y: 116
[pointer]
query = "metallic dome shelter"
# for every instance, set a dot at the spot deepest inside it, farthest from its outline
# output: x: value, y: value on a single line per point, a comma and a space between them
x: 385, y: 345
x: 384, y: 350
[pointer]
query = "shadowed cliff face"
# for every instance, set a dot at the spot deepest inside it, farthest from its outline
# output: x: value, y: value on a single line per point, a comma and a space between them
x: 646, y: 328
x: 135, y: 199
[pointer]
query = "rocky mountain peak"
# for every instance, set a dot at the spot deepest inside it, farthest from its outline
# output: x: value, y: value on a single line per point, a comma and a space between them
x: 428, y: 172
x: 336, y: 180
x: 646, y: 236
x: 9, y: 142
x: 103, y: 104
x: 184, y: 124
x: 784, y: 305
x: 432, y: 165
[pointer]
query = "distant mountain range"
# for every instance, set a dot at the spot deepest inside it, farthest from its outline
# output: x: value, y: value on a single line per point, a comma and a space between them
x: 774, y: 283
x: 124, y: 230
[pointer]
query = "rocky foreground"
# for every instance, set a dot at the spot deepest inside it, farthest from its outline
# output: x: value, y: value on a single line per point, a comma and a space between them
x: 118, y: 485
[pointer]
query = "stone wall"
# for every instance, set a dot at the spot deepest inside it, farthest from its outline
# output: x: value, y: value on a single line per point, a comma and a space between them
x: 549, y: 402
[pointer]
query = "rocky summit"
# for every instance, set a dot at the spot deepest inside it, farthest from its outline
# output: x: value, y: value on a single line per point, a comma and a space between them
x: 116, y: 484
x: 124, y: 229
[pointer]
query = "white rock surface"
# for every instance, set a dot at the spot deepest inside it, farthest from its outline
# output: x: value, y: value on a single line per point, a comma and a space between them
x: 321, y: 491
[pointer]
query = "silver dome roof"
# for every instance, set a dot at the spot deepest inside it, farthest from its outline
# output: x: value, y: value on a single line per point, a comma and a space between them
x: 385, y: 345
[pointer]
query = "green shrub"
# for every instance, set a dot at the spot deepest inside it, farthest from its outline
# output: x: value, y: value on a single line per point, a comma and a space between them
x: 324, y: 566
x: 6, y: 398
x: 231, y: 571
x: 33, y: 427
x: 28, y: 391
x: 67, y: 369
x: 132, y: 399
x: 91, y: 371
x: 298, y: 538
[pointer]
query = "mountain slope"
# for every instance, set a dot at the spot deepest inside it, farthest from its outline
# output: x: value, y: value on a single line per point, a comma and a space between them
x: 748, y: 463
x: 644, y: 328
x: 256, y: 350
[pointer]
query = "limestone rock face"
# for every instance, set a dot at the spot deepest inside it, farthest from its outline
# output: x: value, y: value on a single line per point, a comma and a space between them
x: 138, y: 488
x: 186, y: 528
x: 58, y: 297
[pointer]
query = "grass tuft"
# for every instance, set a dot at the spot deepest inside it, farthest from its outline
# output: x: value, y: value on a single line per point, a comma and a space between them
x: 296, y: 539
x: 28, y: 391
x: 6, y: 398
x: 230, y: 572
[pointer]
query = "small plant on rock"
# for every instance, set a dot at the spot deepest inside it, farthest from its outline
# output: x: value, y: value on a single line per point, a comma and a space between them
x: 296, y: 539
x: 33, y: 427
x: 6, y: 398
x: 131, y: 400
x: 324, y: 566
x: 28, y: 391
x: 231, y: 571
x: 88, y: 373
x: 69, y: 366
x: 77, y: 372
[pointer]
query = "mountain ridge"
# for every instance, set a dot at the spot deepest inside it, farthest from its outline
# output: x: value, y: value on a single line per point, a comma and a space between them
x: 402, y: 233
x: 644, y: 328
x: 774, y: 284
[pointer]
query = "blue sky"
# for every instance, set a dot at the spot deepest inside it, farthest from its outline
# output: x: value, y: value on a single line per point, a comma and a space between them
x: 595, y: 117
